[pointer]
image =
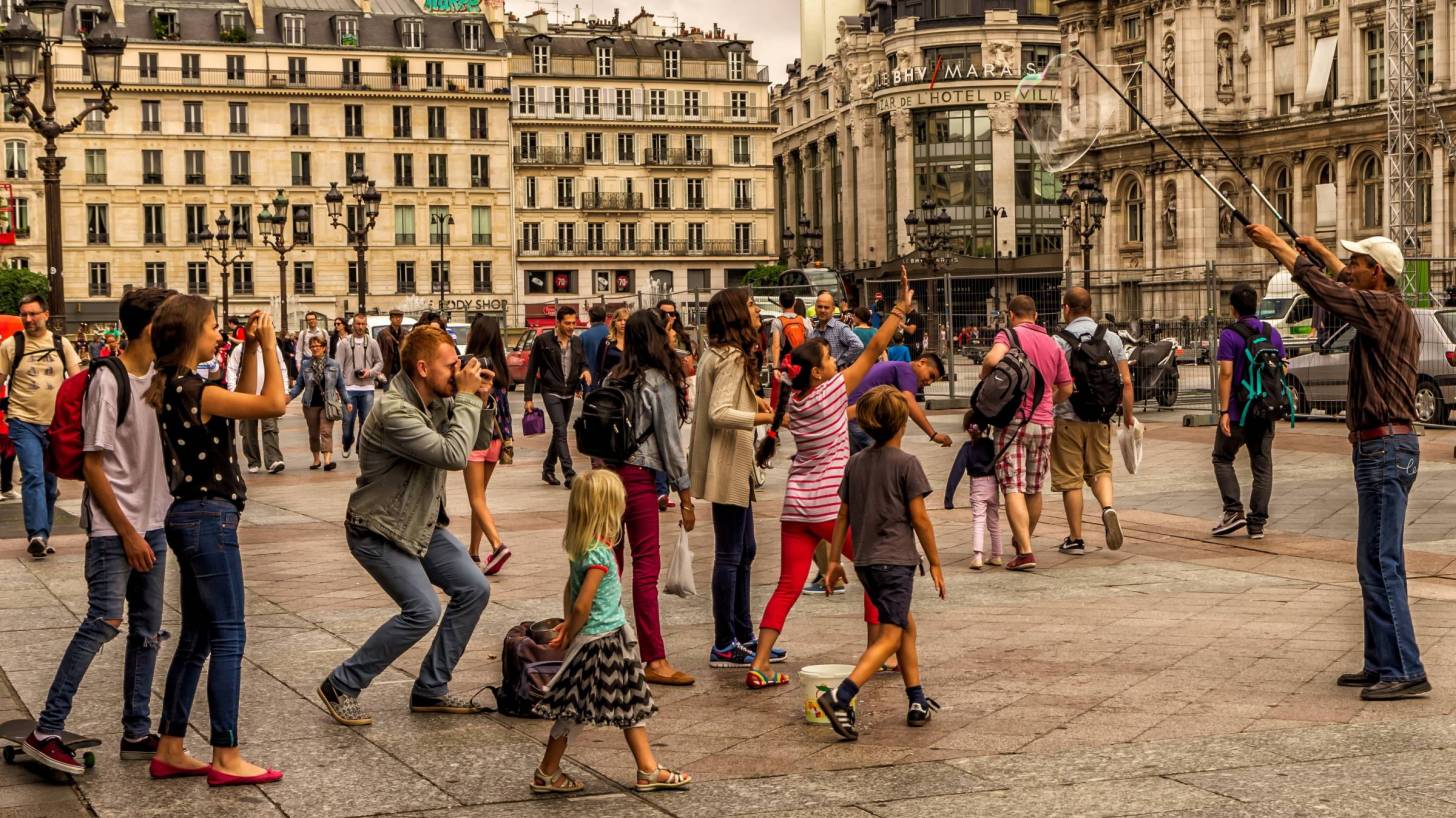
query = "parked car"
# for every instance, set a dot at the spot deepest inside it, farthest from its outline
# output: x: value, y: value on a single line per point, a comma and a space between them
x: 1319, y: 379
x: 519, y: 354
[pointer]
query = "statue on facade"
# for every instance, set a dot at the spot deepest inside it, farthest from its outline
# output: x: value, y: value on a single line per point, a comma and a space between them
x: 1074, y: 96
x: 1170, y: 66
x: 1170, y: 215
x: 1003, y: 117
x: 1002, y: 57
x: 1225, y: 64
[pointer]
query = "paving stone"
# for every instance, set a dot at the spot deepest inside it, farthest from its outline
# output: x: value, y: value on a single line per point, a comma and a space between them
x: 1087, y: 800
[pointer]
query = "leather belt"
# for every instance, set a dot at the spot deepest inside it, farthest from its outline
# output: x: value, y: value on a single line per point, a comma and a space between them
x: 1377, y: 432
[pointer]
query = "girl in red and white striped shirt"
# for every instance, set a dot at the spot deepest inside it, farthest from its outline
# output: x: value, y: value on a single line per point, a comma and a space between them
x: 815, y: 399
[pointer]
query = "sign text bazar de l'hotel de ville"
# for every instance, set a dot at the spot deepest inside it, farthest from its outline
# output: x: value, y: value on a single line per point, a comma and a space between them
x: 961, y: 82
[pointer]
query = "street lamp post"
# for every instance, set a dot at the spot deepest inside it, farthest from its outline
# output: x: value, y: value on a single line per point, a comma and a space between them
x: 811, y: 241
x: 1082, y: 210
x: 366, y: 201
x: 996, y: 213
x: 23, y: 43
x: 226, y: 248
x: 929, y: 234
x: 271, y: 227
x: 442, y: 222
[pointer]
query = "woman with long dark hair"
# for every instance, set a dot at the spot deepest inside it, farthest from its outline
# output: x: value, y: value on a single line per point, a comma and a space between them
x: 815, y: 399
x: 726, y: 410
x: 197, y: 419
x: 485, y: 343
x: 651, y: 368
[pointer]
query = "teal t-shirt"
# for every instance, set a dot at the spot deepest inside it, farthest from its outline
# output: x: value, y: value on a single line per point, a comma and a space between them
x: 606, y: 611
x: 864, y: 334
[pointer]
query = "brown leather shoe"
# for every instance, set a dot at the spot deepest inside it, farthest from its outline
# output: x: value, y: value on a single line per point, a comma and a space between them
x: 675, y: 679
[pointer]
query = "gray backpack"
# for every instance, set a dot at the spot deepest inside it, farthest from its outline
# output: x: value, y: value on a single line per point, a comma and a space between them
x: 1000, y: 395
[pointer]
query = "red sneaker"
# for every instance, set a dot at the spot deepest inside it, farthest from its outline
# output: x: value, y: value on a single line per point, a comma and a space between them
x: 1022, y: 562
x: 497, y: 560
x: 52, y: 753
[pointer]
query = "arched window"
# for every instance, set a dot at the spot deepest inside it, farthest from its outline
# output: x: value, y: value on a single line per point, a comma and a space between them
x: 1324, y: 173
x: 1132, y: 208
x: 1283, y: 195
x: 1372, y: 191
x: 1423, y: 187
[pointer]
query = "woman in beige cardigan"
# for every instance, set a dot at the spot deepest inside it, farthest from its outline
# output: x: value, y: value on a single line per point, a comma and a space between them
x: 720, y: 464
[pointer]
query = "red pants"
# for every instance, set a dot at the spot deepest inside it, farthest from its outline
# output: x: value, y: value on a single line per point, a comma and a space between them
x: 796, y: 547
x: 640, y: 521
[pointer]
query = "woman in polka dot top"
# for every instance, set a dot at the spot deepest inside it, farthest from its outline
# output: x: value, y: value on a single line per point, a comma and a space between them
x: 196, y: 419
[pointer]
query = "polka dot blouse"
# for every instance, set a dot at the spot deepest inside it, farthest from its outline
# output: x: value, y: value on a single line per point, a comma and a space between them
x: 202, y: 463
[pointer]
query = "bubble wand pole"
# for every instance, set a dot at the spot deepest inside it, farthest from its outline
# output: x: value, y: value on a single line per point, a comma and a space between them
x: 1244, y: 220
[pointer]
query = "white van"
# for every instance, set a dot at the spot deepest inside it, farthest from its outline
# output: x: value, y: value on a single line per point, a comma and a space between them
x: 1289, y: 310
x: 460, y: 332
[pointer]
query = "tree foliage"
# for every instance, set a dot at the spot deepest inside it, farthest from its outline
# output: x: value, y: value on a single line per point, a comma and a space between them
x: 764, y: 275
x: 15, y: 284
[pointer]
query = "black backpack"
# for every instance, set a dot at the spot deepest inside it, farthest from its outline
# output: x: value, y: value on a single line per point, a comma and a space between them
x: 1094, y: 372
x: 607, y: 426
x: 1000, y: 394
x: 1263, y: 392
x: 527, y: 668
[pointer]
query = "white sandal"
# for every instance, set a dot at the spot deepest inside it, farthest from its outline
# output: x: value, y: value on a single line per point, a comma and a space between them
x: 567, y: 783
x: 675, y: 780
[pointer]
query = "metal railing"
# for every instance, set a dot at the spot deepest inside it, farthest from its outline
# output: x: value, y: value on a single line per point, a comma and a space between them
x: 314, y: 80
x: 644, y: 247
x: 645, y: 112
x: 550, y: 156
x: 679, y: 158
x: 592, y: 200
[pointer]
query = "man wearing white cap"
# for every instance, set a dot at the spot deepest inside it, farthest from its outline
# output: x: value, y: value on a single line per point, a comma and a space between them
x: 1379, y: 408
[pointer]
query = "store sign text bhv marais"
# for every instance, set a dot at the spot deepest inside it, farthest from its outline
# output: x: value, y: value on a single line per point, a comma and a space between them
x: 950, y: 86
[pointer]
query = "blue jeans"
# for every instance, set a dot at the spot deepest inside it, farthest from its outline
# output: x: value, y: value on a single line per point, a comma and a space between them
x: 734, y: 547
x: 356, y: 409
x: 37, y: 486
x: 659, y: 481
x: 110, y: 583
x: 203, y: 536
x: 411, y: 583
x: 1385, y: 470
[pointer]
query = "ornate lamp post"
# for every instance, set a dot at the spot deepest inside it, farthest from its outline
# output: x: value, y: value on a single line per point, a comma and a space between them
x: 996, y: 214
x: 366, y: 203
x: 23, y: 43
x: 442, y: 222
x: 1082, y: 210
x: 271, y: 228
x: 225, y: 247
x: 929, y: 234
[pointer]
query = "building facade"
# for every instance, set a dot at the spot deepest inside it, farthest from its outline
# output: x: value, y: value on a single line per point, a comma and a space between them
x: 1296, y: 91
x: 223, y: 104
x: 916, y: 102
x: 642, y: 160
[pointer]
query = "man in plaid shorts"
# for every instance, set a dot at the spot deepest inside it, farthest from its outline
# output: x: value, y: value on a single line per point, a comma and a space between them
x: 1023, y: 470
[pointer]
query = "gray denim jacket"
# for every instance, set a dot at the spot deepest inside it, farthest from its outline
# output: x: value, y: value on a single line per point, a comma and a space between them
x: 663, y: 451
x: 404, y: 451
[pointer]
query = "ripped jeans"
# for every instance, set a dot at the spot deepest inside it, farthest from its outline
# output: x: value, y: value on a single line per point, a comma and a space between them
x: 110, y: 583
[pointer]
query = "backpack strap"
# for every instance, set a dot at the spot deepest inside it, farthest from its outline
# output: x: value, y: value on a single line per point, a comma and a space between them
x: 1100, y: 333
x: 1072, y: 341
x: 1247, y: 332
x: 19, y: 339
x: 123, y: 384
x: 1036, y: 395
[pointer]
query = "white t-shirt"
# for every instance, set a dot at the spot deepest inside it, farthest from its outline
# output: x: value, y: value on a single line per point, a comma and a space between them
x: 133, y: 460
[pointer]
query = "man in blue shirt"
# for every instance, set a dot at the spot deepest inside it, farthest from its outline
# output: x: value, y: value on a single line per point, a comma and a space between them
x: 1235, y: 431
x: 591, y: 340
x: 844, y: 345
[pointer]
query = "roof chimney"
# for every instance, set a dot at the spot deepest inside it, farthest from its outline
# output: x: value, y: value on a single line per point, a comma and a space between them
x: 495, y: 17
x: 537, y: 21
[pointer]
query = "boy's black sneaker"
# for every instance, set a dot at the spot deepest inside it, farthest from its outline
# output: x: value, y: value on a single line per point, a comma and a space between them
x: 141, y: 749
x: 37, y: 548
x: 841, y: 718
x: 1074, y: 547
x: 1232, y: 521
x: 1390, y: 691
x: 1256, y: 532
x: 920, y: 714
x: 449, y: 703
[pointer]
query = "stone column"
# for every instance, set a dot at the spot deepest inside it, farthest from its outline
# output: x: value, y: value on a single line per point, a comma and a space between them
x: 869, y: 188
x: 1440, y: 226
x: 848, y: 204
x: 828, y: 154
x: 1345, y: 59
x: 1003, y: 172
x: 1440, y: 36
x: 905, y: 199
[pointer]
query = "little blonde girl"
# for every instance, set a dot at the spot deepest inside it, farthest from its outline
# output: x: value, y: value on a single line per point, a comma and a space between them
x: 601, y: 681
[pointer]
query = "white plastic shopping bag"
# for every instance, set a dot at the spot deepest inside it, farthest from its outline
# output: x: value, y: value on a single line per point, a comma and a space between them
x: 679, y: 581
x: 1131, y: 443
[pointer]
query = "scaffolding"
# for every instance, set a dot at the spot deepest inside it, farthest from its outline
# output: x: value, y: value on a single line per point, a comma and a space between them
x: 1402, y: 97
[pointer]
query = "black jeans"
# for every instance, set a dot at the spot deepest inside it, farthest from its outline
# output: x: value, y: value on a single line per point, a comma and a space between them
x: 559, y: 410
x: 1259, y: 440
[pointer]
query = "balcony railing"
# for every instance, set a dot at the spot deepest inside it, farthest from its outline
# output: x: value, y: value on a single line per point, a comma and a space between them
x: 743, y: 203
x: 151, y: 178
x: 643, y: 247
x: 679, y: 158
x: 479, y: 181
x: 439, y: 181
x: 22, y: 232
x: 196, y: 179
x: 95, y: 178
x: 242, y: 286
x: 611, y: 201
x: 15, y: 173
x: 697, y: 203
x: 242, y: 178
x: 154, y: 238
x: 98, y: 238
x: 479, y: 133
x: 645, y: 112
x: 549, y: 156
x: 437, y: 239
x: 316, y: 80
x: 480, y: 239
x: 404, y: 239
x: 303, y: 287
x: 101, y: 288
x: 298, y: 129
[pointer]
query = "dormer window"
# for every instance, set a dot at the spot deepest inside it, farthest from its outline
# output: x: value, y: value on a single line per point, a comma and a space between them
x: 87, y: 18
x: 412, y: 33
x: 735, y: 65
x: 230, y: 27
x: 672, y: 63
x: 541, y: 58
x: 346, y: 31
x: 165, y: 25
x: 604, y: 60
x: 472, y: 35
x: 293, y: 29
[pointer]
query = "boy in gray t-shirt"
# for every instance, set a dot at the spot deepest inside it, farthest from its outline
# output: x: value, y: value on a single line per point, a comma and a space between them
x: 882, y: 498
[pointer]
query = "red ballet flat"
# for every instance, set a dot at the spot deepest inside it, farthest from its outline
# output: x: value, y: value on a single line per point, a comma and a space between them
x: 161, y: 769
x: 217, y: 778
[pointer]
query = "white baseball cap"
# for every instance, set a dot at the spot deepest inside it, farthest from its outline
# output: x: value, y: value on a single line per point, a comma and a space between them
x: 1384, y: 250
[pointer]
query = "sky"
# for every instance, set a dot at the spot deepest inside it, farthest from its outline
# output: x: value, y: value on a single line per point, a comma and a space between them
x: 772, y: 25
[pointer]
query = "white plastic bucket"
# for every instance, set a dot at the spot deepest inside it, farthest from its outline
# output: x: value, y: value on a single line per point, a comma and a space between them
x: 818, y: 679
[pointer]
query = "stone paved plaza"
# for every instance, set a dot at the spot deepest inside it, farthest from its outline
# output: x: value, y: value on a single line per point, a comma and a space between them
x: 1181, y: 676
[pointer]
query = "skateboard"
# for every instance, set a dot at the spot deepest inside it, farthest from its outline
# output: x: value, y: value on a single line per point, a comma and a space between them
x: 13, y: 732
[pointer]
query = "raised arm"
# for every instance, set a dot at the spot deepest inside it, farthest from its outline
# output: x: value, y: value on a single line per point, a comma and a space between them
x: 882, y: 337
x: 243, y: 405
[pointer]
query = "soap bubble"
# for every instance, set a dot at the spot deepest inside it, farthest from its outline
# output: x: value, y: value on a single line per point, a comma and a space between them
x: 1064, y: 109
